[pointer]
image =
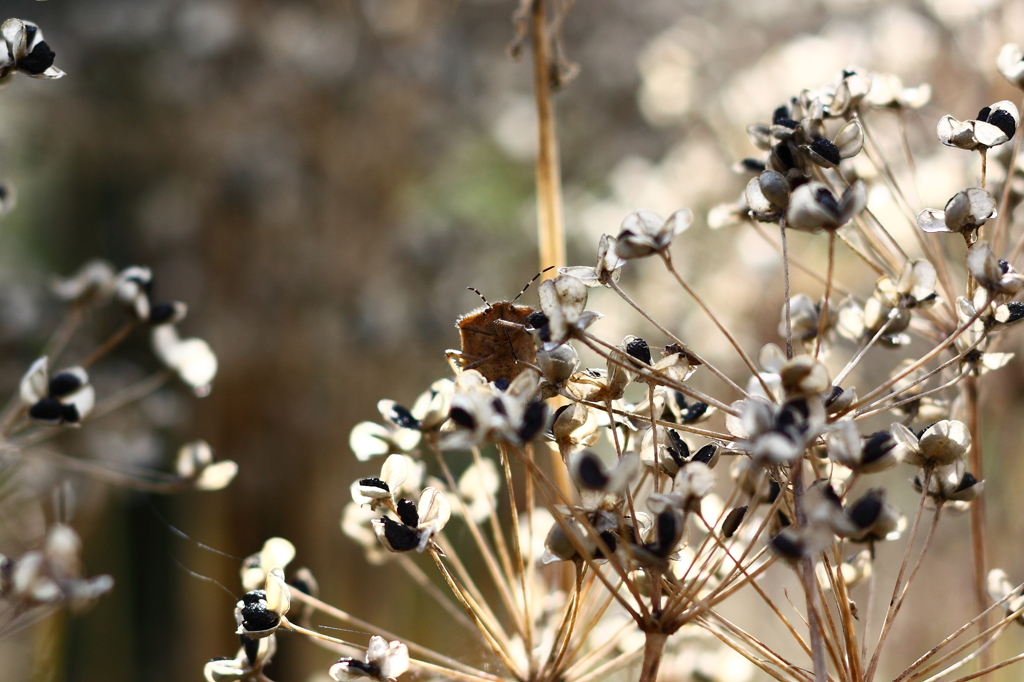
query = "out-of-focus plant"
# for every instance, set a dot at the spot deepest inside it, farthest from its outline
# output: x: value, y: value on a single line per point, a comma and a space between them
x: 51, y: 399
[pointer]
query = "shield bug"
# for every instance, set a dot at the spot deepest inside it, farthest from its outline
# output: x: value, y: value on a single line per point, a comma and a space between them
x: 496, y: 339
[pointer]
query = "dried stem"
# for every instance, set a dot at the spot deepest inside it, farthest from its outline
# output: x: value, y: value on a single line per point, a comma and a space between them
x: 979, y: 538
x: 550, y: 222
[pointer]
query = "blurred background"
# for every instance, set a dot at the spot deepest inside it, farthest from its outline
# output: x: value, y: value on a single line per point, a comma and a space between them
x: 321, y: 181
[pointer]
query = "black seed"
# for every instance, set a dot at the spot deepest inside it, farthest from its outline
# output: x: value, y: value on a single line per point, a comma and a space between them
x: 534, y: 418
x: 47, y: 410
x: 161, y: 313
x: 368, y: 669
x: 537, y: 319
x: 706, y: 454
x: 877, y: 445
x: 983, y: 114
x: 787, y: 546
x: 773, y: 490
x: 146, y: 284
x: 462, y: 418
x: 402, y: 417
x: 784, y: 521
x: 826, y: 199
x: 400, y: 537
x: 752, y: 165
x: 610, y: 540
x: 966, y: 482
x: 502, y: 384
x: 407, y: 512
x: 256, y: 617
x: 64, y: 384
x: 694, y: 412
x: 792, y: 418
x: 668, y: 534
x: 590, y: 472
x: 253, y: 596
x: 784, y: 153
x: 30, y: 33
x: 498, y: 405
x: 374, y: 482
x: 836, y: 391
x: 302, y: 586
x: 252, y: 648
x: 1016, y: 309
x: 830, y: 495
x: 733, y: 520
x: 866, y: 510
x: 780, y: 113
x: 69, y: 413
x: 638, y: 349
x: 38, y: 60
x: 826, y: 150
x: 678, y: 448
x: 1004, y: 121
x: 921, y: 432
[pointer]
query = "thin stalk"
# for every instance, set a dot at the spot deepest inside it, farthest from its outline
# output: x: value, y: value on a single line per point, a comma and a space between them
x: 979, y: 537
x: 807, y: 579
x: 654, y: 649
x: 421, y: 579
x: 887, y: 622
x: 550, y: 222
x: 823, y: 317
x: 500, y: 651
x: 110, y: 344
x: 716, y: 435
x: 164, y: 484
x: 1003, y: 219
x: 616, y: 356
x: 526, y: 616
x: 602, y: 672
x: 803, y: 267
x: 761, y: 663
x: 419, y: 650
x: 675, y: 339
x: 761, y: 648
x: 485, y: 551
x: 921, y: 362
x: 569, y: 623
x: 995, y: 630
x: 785, y: 274
x: 667, y: 258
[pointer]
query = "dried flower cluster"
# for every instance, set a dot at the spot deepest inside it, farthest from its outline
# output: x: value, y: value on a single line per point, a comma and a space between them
x: 56, y: 394
x: 616, y: 508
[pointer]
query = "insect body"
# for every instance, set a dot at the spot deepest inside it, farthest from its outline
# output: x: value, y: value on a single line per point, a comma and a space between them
x: 497, y: 339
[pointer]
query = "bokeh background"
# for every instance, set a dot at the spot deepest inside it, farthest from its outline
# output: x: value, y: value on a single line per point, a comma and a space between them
x: 321, y: 181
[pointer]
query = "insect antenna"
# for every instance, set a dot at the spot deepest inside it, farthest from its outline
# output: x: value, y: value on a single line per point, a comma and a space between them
x: 550, y: 267
x: 477, y: 292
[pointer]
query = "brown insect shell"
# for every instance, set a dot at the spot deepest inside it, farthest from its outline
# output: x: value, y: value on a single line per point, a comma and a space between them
x: 495, y: 341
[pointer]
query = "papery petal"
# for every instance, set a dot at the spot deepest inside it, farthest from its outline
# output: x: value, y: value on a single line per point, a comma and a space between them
x: 35, y: 384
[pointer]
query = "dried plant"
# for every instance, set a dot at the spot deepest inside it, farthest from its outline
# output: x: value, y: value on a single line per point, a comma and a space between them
x: 47, y: 575
x: 592, y: 496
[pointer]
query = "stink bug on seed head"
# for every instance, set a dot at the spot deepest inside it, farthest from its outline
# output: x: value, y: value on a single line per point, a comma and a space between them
x: 496, y: 339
